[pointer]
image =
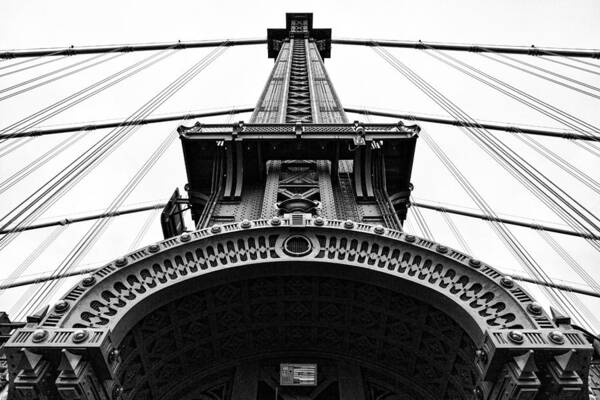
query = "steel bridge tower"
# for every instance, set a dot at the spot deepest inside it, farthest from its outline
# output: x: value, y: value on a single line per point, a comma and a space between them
x: 297, y: 281
x: 299, y: 152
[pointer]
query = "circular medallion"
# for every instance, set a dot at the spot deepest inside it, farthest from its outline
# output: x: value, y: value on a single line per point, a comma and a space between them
x: 297, y: 246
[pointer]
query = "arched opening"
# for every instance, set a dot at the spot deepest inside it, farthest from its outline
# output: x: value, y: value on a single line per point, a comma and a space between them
x: 226, y: 339
x: 383, y: 315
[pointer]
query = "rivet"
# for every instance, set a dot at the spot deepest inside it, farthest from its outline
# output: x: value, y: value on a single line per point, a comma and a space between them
x: 275, y: 221
x: 61, y: 306
x: 475, y: 263
x: 80, y: 336
x: 516, y: 337
x: 185, y: 237
x: 348, y: 224
x: 557, y: 337
x: 507, y: 282
x: 441, y: 248
x: 216, y: 229
x: 121, y: 262
x: 89, y: 281
x: 534, y: 308
x: 410, y: 238
x: 153, y: 248
x: 117, y: 392
x: 482, y: 355
x: 245, y: 224
x: 39, y: 335
x: 380, y: 230
x: 319, y: 221
x: 113, y: 355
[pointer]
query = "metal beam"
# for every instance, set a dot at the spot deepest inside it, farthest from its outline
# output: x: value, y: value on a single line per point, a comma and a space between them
x: 505, y: 220
x: 419, y: 44
x: 67, y: 221
x: 496, y: 127
x: 179, y: 45
x: 91, y: 127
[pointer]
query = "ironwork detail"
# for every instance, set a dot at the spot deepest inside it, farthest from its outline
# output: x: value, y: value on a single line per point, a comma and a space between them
x: 209, y: 314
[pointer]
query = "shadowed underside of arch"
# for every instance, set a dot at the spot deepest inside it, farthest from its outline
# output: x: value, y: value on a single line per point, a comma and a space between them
x: 415, y: 349
x: 404, y: 313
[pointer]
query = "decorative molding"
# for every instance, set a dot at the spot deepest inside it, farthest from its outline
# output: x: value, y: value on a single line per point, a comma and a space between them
x: 470, y: 284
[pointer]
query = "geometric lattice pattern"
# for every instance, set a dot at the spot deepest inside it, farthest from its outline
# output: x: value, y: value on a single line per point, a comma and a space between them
x: 423, y: 350
x: 298, y: 101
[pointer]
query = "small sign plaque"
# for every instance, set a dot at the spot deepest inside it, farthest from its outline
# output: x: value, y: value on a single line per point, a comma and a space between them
x: 298, y: 374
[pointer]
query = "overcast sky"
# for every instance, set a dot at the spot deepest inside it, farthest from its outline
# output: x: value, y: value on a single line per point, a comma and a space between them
x: 360, y: 77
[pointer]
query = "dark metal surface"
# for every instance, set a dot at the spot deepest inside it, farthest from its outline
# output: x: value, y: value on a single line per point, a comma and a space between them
x: 246, y: 148
x: 171, y: 218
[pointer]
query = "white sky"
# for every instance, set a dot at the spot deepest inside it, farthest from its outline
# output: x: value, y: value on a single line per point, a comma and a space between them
x: 359, y: 75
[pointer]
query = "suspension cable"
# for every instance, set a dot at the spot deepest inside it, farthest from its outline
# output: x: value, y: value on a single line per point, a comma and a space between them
x: 561, y: 163
x: 574, y: 59
x: 78, y: 97
x: 135, y: 243
x: 561, y: 76
x: 85, y: 93
x: 50, y: 192
x: 512, y: 243
x: 460, y: 122
x: 422, y: 223
x: 530, y: 101
x: 43, y: 62
x: 94, y: 233
x: 508, y: 221
x: 51, y: 73
x: 457, y: 234
x: 533, y: 50
x: 39, y: 162
x: 28, y: 60
x: 128, y: 48
x: 552, y: 195
x: 142, y: 121
x: 87, y: 242
x: 91, y: 217
x: 33, y: 256
x: 534, y: 144
x: 569, y: 65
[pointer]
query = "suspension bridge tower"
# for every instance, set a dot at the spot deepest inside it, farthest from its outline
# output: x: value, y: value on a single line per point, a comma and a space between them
x: 297, y: 281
